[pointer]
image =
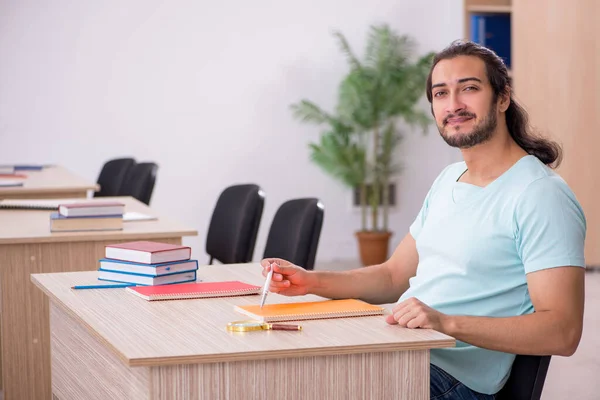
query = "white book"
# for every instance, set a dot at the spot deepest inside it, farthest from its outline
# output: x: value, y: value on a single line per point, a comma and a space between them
x: 91, y: 208
x: 139, y: 279
x: 147, y: 252
x: 148, y: 269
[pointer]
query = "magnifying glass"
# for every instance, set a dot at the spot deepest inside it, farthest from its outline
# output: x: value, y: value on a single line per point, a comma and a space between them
x: 250, y: 325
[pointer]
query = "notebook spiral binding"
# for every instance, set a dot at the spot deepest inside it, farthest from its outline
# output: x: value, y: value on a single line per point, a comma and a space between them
x: 321, y: 315
x: 8, y: 205
x: 194, y: 290
x: 199, y: 295
x: 311, y: 310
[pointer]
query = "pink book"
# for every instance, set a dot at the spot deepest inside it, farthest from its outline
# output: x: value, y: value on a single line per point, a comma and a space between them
x: 146, y: 252
x: 195, y: 290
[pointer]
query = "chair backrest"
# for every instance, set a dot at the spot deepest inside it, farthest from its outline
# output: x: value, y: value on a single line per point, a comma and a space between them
x: 112, y: 175
x: 526, y: 379
x: 295, y: 231
x: 140, y: 181
x: 233, y: 228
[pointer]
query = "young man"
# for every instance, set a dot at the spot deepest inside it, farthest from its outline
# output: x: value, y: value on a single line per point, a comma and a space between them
x: 495, y: 256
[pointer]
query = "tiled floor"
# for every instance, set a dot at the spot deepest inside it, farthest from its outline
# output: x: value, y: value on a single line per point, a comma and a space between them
x: 576, y: 377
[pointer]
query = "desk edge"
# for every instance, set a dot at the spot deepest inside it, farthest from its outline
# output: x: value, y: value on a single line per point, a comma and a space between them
x: 98, y: 237
x: 295, y: 353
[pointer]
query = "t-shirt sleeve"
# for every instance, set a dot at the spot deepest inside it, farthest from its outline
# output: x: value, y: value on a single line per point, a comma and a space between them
x: 417, y: 225
x: 550, y: 226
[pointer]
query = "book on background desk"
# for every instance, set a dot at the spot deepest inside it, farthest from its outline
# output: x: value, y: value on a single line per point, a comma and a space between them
x: 310, y: 310
x: 107, y: 264
x: 29, y: 167
x: 10, y: 169
x: 60, y: 223
x: 197, y: 290
x: 146, y: 252
x: 13, y: 176
x: 91, y: 208
x: 139, y: 279
x: 11, y: 182
x: 52, y: 205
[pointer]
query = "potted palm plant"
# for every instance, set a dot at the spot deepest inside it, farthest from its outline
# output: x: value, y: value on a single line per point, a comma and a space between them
x: 358, y: 144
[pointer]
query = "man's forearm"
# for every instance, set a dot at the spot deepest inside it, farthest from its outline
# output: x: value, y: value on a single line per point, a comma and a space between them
x: 540, y: 333
x: 372, y: 284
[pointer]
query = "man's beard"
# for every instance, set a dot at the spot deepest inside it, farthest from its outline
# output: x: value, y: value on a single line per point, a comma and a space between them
x: 481, y: 133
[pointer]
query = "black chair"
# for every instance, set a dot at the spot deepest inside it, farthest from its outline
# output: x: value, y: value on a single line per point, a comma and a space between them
x: 233, y: 228
x: 140, y: 181
x: 526, y: 379
x: 295, y: 231
x: 112, y: 175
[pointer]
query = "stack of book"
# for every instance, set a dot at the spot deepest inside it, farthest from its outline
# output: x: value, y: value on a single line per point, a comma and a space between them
x: 11, y: 169
x: 9, y: 178
x: 88, y: 216
x: 147, y: 263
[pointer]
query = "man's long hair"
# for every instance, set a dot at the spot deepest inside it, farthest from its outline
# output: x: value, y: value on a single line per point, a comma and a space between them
x: 517, y: 120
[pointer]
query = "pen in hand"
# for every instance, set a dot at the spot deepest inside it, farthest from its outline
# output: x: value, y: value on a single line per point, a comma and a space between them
x: 265, y: 288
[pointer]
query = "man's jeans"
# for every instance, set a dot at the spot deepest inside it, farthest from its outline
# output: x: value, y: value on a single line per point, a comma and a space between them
x: 445, y: 387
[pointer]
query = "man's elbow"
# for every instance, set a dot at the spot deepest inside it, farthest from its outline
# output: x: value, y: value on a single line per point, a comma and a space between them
x: 570, y: 341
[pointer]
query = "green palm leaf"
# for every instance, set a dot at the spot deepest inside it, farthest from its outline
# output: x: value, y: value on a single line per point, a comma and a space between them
x: 360, y: 138
x: 345, y: 48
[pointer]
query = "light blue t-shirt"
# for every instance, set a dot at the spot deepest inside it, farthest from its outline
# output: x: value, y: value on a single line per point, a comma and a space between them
x: 476, y: 246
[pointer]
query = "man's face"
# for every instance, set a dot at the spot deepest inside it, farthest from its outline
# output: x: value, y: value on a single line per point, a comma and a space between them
x: 462, y: 102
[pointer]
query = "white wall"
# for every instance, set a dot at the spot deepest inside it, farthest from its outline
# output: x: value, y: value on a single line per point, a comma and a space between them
x: 203, y: 88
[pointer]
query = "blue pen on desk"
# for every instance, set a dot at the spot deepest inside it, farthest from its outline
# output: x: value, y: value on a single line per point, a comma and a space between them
x: 102, y: 286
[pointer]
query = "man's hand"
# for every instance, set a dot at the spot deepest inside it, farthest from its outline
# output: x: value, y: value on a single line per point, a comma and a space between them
x: 288, y: 279
x: 412, y: 313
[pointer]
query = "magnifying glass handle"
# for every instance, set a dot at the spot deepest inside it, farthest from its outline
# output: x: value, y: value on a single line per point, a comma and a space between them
x: 285, y: 327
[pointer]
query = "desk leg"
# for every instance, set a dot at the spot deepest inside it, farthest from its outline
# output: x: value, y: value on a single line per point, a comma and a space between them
x: 83, y: 367
x: 25, y: 320
x: 394, y: 375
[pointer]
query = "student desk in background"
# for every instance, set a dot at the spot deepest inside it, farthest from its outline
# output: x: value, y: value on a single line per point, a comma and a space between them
x: 27, y: 246
x: 111, y: 344
x: 52, y: 182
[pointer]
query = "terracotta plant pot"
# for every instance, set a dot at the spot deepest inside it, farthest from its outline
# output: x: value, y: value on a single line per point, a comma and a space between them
x: 373, y: 246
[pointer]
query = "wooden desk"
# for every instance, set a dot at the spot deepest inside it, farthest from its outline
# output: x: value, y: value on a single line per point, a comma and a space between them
x: 110, y: 344
x: 27, y: 246
x: 49, y: 183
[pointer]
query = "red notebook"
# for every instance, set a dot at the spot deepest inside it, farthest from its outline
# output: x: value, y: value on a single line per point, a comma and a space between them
x: 145, y: 252
x: 196, y: 290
